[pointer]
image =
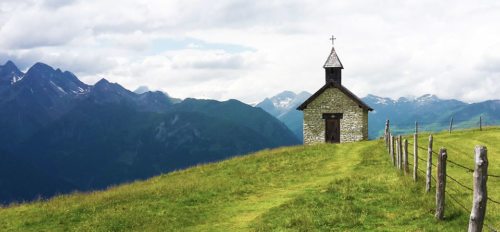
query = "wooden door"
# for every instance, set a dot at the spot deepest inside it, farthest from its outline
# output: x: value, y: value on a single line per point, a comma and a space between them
x: 332, y: 130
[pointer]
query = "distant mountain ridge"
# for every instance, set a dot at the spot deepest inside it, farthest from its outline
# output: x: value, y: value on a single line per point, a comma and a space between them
x: 144, y: 90
x: 283, y: 107
x: 430, y: 111
x: 71, y: 136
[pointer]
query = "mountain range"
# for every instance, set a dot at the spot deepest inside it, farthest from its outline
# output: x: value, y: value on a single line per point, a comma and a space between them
x: 431, y: 112
x: 283, y: 107
x: 59, y: 134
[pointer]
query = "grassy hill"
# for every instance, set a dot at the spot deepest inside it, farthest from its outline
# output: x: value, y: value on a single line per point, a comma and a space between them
x: 347, y: 187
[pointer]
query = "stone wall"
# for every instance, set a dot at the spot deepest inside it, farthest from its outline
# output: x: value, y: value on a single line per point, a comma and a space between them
x: 353, y: 125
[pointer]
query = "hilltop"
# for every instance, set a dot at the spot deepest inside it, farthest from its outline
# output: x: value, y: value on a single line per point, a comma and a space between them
x: 322, y: 187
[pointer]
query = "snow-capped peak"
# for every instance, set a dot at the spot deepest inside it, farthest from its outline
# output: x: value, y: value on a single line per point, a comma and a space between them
x: 427, y: 98
x: 282, y: 102
x: 288, y: 100
x: 379, y: 100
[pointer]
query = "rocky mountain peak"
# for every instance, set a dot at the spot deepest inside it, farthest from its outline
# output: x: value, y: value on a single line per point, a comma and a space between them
x: 9, y: 65
x: 9, y: 74
x: 40, y: 69
x: 102, y: 82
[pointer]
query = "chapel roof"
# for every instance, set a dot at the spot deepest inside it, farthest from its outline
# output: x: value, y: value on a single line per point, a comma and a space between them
x: 342, y: 89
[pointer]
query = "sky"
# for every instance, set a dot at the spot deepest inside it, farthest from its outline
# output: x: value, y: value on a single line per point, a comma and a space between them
x: 249, y: 50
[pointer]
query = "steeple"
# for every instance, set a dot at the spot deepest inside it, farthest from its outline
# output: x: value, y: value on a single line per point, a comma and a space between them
x: 333, y: 68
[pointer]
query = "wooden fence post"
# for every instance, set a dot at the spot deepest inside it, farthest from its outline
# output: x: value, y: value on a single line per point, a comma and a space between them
x: 480, y: 193
x: 397, y: 152
x: 400, y: 159
x: 441, y: 183
x: 400, y: 151
x: 392, y: 150
x: 405, y: 157
x: 415, y: 156
x: 429, y: 167
x: 386, y: 134
x: 480, y: 123
x: 451, y: 124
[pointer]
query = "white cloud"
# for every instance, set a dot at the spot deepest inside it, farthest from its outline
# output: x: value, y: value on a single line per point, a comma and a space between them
x: 253, y: 49
x: 57, y: 3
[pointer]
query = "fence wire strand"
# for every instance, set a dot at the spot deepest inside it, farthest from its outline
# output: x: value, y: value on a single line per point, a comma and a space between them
x: 454, y: 180
x: 462, y: 166
x: 455, y: 200
x: 492, y: 229
x: 494, y: 201
x: 453, y: 162
x: 465, y: 208
x: 459, y: 183
x: 467, y: 211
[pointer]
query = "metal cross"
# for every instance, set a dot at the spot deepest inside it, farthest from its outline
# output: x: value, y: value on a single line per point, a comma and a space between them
x: 333, y: 39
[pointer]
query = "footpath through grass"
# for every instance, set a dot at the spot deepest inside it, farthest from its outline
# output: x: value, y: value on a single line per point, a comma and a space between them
x: 347, y: 187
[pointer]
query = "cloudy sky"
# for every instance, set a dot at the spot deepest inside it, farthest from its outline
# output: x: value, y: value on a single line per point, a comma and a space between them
x: 249, y: 50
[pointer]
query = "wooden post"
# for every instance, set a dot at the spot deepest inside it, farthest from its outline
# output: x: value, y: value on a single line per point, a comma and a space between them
x: 480, y: 196
x: 441, y: 183
x: 397, y: 152
x: 386, y: 134
x: 392, y: 150
x: 405, y: 157
x: 451, y: 124
x: 428, y: 175
x: 415, y: 157
x: 480, y: 123
x: 400, y: 159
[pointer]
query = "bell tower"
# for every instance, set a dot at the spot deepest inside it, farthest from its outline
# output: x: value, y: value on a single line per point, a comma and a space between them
x: 333, y: 67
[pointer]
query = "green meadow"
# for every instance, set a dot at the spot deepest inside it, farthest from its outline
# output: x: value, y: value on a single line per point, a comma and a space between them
x: 340, y: 187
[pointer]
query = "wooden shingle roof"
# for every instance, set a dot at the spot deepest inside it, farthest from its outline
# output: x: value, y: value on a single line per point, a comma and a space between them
x: 333, y: 60
x: 339, y: 87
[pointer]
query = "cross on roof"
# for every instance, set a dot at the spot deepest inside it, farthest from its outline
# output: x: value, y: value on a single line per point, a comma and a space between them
x: 333, y: 39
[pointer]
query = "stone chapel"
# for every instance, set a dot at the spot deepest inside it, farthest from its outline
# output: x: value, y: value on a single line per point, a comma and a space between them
x: 334, y: 114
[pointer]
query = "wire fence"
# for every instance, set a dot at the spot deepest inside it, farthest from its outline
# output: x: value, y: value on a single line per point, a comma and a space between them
x: 453, y: 162
x: 455, y: 200
x: 431, y: 125
x: 454, y: 194
x: 457, y: 165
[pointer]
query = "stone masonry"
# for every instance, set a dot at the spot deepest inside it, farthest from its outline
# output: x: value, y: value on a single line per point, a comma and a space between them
x: 353, y: 125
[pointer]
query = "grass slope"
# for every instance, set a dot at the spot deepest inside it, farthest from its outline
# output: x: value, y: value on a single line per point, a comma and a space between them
x: 347, y: 187
x: 460, y: 148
